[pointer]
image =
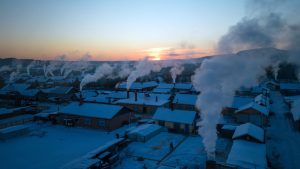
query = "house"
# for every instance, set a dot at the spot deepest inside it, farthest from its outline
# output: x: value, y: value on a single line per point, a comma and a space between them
x: 144, y: 132
x: 183, y: 87
x: 262, y: 100
x: 184, y: 102
x: 253, y: 113
x: 182, y: 121
x: 290, y: 89
x: 145, y: 104
x: 227, y: 130
x: 94, y: 115
x: 61, y: 92
x: 248, y: 155
x: 164, y: 88
x: 249, y: 132
x: 238, y: 101
x: 11, y: 112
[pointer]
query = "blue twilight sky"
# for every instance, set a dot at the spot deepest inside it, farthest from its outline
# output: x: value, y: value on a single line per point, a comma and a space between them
x: 112, y: 29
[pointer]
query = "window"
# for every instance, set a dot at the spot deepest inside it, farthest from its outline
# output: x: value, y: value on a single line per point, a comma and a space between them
x: 101, y: 123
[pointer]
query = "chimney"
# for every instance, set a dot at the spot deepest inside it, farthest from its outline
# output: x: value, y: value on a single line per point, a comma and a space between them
x: 210, y: 164
x: 80, y: 99
x: 127, y: 94
x: 135, y: 96
x: 156, y: 98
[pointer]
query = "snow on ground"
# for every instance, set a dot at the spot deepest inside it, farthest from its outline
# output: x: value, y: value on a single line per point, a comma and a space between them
x: 133, y: 163
x: 155, y: 148
x: 189, y: 153
x: 283, y: 142
x: 50, y: 146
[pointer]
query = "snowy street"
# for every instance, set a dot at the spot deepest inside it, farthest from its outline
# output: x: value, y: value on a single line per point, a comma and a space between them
x: 283, y: 142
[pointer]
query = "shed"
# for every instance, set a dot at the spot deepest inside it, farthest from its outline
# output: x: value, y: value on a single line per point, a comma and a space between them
x: 246, y: 154
x: 182, y: 121
x: 249, y: 132
x: 103, y: 116
x: 143, y: 133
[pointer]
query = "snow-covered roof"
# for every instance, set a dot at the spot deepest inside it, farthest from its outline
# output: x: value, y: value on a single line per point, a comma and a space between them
x: 16, y: 118
x: 239, y: 101
x: 146, y: 99
x: 14, y: 88
x: 104, y: 111
x: 30, y: 92
x: 7, y: 111
x: 165, y: 85
x: 13, y: 129
x: 58, y: 90
x: 295, y: 110
x: 262, y: 109
x: 183, y: 86
x: 177, y: 116
x: 161, y: 90
x: 86, y: 93
x: 249, y: 129
x: 185, y: 99
x: 228, y: 127
x: 138, y: 85
x: 262, y: 100
x: 98, y: 99
x: 145, y: 129
x: 247, y: 154
x: 290, y: 86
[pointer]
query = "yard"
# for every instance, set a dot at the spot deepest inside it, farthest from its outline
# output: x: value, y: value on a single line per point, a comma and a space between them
x: 50, y: 146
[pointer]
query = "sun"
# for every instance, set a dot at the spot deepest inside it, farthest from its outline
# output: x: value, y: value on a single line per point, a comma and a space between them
x: 155, y: 53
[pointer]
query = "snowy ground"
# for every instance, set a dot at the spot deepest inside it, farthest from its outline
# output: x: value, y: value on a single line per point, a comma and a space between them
x: 189, y: 153
x: 50, y: 146
x: 155, y: 148
x: 283, y: 142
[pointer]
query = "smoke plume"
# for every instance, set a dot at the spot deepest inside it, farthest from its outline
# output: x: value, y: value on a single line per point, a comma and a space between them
x: 176, y: 70
x: 32, y: 64
x: 219, y: 77
x: 103, y: 70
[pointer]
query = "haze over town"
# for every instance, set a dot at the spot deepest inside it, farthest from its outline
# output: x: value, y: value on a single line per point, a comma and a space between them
x: 150, y: 84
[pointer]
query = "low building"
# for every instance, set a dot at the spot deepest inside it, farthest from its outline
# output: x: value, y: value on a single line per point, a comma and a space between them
x: 145, y: 104
x: 13, y: 131
x: 16, y: 120
x: 290, y: 89
x: 100, y: 116
x: 183, y: 87
x: 248, y: 155
x: 181, y: 121
x: 144, y: 132
x: 184, y: 102
x: 249, y: 132
x: 252, y: 113
x: 238, y: 101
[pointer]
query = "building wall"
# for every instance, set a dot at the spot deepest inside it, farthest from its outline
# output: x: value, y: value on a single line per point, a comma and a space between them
x: 252, y: 116
x: 92, y: 122
x: 177, y: 127
x: 184, y: 107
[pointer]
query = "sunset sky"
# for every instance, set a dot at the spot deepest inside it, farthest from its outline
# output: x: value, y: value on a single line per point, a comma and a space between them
x: 114, y: 29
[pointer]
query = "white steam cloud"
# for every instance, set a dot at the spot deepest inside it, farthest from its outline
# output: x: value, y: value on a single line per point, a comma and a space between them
x: 103, y: 70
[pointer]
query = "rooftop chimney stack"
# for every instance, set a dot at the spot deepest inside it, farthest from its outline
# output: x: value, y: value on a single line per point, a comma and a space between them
x: 127, y: 94
x: 156, y: 98
x: 80, y: 99
x: 135, y: 96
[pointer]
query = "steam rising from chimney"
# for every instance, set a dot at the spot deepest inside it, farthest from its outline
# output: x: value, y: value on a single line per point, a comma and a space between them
x: 176, y: 70
x: 103, y: 70
x: 32, y: 64
x: 219, y: 77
